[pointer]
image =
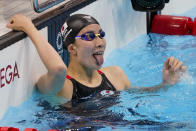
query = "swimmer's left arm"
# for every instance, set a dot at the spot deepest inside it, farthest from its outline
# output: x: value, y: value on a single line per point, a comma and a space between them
x: 153, y: 88
x: 172, y: 71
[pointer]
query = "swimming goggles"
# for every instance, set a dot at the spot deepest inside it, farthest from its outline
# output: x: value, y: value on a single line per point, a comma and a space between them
x: 89, y: 36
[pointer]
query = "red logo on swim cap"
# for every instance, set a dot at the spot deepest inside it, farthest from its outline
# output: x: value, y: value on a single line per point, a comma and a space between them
x: 63, y: 28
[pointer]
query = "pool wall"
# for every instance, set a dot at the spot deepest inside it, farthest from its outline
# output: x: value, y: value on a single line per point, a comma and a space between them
x: 21, y: 66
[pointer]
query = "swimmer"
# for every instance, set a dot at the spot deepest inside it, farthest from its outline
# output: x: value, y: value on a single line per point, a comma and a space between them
x: 83, y: 38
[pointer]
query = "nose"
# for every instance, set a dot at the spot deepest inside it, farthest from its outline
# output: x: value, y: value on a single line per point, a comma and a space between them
x: 100, y: 42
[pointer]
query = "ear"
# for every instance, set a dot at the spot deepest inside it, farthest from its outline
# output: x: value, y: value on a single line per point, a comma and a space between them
x: 72, y: 49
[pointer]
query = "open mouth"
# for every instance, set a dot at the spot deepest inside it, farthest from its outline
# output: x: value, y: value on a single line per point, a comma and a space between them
x: 99, y: 57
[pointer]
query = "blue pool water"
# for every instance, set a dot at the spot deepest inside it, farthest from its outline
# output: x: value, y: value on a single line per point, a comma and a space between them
x: 142, y: 60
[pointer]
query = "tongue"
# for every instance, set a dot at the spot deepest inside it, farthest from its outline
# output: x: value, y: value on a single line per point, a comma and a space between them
x: 99, y: 59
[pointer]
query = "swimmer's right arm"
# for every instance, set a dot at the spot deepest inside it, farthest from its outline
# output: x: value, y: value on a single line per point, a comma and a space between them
x: 53, y: 81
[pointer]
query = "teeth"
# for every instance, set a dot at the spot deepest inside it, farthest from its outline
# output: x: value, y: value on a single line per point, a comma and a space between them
x: 98, y: 53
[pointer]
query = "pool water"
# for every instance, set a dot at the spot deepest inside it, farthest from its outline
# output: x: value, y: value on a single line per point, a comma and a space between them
x: 142, y: 61
x: 143, y: 58
x: 172, y: 108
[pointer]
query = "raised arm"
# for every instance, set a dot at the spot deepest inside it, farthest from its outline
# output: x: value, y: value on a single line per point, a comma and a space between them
x: 53, y: 81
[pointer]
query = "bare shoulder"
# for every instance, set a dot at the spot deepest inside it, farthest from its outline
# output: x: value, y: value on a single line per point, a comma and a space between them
x: 117, y: 76
x: 112, y: 70
x: 67, y: 90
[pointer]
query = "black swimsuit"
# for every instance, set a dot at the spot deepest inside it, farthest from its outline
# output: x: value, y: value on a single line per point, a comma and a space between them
x: 80, y: 90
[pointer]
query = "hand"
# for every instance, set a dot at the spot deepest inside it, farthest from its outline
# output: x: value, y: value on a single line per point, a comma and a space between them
x: 20, y: 22
x: 172, y: 71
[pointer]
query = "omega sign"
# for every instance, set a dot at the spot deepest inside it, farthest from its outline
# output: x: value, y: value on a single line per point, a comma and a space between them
x: 8, y: 74
x: 59, y: 44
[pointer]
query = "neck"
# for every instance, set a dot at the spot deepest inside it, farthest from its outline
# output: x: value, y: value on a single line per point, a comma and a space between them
x: 81, y: 73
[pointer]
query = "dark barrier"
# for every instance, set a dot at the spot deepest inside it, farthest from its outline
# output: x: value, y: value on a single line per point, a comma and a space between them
x: 54, y: 35
x: 53, y: 20
x: 148, y: 5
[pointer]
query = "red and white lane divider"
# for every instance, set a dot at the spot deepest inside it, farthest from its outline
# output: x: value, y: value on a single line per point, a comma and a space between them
x: 16, y: 129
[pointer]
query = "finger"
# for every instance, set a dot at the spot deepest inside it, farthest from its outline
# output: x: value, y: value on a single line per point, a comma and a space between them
x: 13, y: 18
x: 171, y: 60
x: 183, y: 68
x: 11, y: 21
x: 166, y: 64
x: 178, y: 66
x: 9, y: 25
x: 175, y: 63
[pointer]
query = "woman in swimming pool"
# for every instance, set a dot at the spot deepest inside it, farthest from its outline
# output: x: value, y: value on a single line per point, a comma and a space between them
x: 83, y: 37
